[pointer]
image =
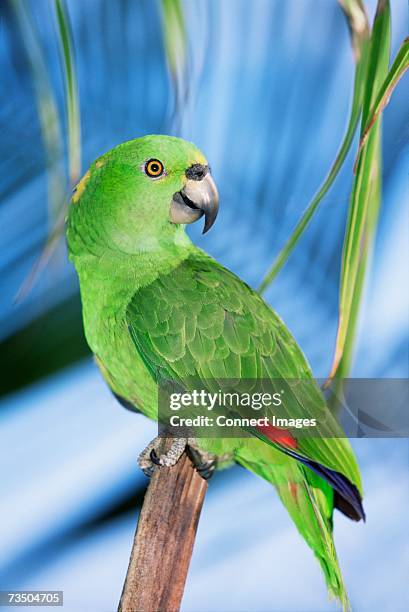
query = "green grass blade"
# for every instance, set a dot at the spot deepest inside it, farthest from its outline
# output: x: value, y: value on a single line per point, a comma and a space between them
x: 364, y: 201
x: 71, y: 91
x: 358, y: 25
x: 399, y: 67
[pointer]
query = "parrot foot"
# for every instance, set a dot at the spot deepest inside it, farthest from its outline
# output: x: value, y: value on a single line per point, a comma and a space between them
x: 149, y: 459
x: 205, y: 463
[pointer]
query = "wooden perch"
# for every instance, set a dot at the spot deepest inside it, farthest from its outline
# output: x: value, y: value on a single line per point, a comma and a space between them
x: 164, y: 539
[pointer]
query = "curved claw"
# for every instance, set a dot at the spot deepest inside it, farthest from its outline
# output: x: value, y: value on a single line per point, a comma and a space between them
x: 206, y: 472
x: 154, y: 457
x: 148, y: 472
x: 205, y: 469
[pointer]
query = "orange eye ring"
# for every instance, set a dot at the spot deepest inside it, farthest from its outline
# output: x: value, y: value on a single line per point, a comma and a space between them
x: 154, y: 168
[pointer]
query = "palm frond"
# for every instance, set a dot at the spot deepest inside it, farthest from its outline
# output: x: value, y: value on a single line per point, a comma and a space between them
x: 365, y: 200
x: 46, y: 107
x: 71, y: 91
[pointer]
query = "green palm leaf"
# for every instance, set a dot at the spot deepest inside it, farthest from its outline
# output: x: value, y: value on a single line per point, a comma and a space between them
x: 365, y: 199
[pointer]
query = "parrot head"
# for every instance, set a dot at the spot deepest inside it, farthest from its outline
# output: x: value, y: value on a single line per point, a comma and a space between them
x: 139, y: 194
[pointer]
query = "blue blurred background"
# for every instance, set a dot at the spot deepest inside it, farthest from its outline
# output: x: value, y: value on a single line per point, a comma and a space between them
x: 267, y: 100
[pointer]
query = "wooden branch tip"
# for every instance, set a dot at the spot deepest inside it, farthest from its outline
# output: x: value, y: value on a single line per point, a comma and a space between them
x: 164, y: 538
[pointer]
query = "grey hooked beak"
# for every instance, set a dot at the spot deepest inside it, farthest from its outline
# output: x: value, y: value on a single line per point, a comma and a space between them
x: 197, y: 198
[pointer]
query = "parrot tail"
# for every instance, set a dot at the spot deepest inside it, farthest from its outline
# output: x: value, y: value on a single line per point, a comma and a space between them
x: 347, y: 498
x: 309, y: 499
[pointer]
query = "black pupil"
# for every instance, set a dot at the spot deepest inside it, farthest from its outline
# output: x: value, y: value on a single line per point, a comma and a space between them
x: 155, y: 167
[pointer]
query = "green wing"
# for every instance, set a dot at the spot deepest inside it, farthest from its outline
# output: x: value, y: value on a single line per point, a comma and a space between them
x: 203, y: 321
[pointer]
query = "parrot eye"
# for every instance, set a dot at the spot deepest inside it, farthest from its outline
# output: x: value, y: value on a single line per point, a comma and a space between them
x: 154, y: 168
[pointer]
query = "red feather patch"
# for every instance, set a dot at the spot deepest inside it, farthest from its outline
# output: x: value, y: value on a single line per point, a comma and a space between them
x: 278, y: 435
x: 293, y: 486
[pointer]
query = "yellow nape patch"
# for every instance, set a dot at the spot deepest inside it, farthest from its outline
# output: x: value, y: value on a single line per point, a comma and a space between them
x: 99, y: 163
x: 201, y: 159
x: 80, y: 187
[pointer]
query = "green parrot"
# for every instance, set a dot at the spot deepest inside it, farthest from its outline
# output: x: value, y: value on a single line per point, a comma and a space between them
x: 155, y: 307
